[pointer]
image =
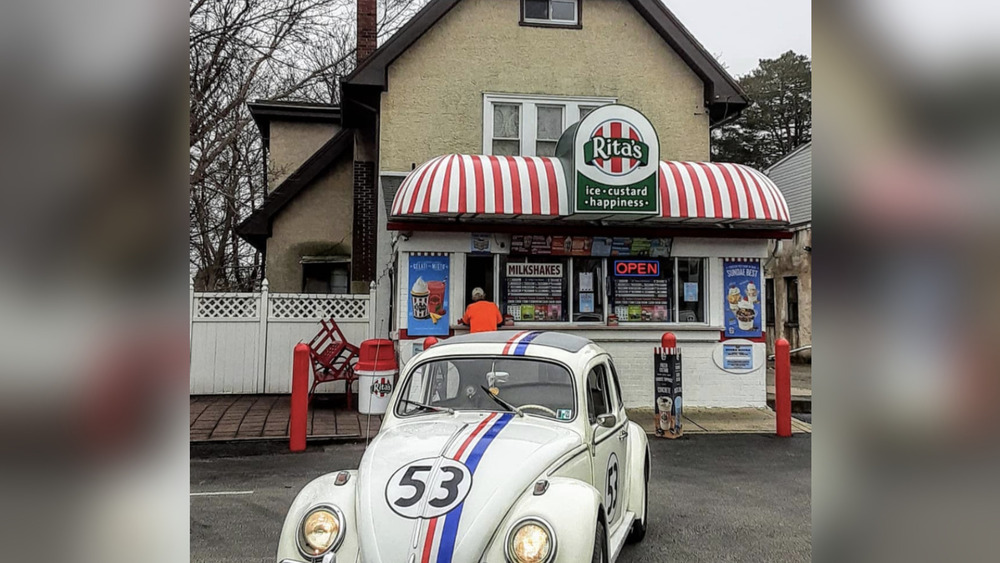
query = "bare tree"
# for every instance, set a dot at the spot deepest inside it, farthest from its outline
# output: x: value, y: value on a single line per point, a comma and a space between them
x: 241, y: 50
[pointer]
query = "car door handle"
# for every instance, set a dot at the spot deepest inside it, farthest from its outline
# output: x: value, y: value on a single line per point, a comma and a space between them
x: 623, y: 434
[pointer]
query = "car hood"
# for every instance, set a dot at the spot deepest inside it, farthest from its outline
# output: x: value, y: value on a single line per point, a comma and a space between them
x: 503, y: 454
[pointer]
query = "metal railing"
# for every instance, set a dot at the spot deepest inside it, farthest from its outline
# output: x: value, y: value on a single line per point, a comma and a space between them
x: 792, y: 351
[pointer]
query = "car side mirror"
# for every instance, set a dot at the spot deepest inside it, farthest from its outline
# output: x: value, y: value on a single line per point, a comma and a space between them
x: 606, y: 420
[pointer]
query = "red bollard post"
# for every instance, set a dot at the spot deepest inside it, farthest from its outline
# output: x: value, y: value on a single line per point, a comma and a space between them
x: 429, y: 341
x: 300, y: 399
x: 783, y: 387
x: 668, y: 340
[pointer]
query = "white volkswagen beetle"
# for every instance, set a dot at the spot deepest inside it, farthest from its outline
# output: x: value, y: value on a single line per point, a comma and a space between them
x: 496, y: 447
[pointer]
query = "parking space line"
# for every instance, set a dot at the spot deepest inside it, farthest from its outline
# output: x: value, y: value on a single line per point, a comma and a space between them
x: 221, y: 493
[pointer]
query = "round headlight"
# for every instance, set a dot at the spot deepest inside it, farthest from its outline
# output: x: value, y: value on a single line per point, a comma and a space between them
x: 531, y: 542
x: 321, y: 531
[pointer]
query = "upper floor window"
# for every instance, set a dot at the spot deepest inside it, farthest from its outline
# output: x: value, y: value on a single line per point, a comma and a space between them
x: 531, y: 125
x: 550, y: 12
x: 506, y: 129
x: 322, y: 275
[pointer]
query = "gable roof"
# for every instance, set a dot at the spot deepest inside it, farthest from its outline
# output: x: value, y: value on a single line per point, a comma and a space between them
x: 266, y: 111
x: 257, y: 227
x: 793, y: 176
x: 723, y: 94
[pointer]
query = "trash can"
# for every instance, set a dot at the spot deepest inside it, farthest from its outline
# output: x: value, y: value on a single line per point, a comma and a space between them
x: 376, y: 370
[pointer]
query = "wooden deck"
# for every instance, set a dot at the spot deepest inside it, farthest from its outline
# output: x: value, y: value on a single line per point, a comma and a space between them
x: 256, y: 417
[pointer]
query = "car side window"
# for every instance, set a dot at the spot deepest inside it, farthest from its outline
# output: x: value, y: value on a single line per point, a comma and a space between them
x: 445, y: 381
x: 441, y: 384
x: 616, y: 383
x: 597, y: 393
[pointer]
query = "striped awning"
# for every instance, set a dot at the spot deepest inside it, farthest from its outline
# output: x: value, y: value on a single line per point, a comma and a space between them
x: 484, y: 185
x: 719, y: 191
x: 526, y: 187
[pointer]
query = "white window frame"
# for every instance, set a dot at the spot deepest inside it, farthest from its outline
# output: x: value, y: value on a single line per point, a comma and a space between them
x: 528, y: 125
x: 575, y: 21
x: 675, y: 308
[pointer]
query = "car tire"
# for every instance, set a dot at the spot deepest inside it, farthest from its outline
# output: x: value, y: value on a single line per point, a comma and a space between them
x: 638, y: 531
x: 600, y: 549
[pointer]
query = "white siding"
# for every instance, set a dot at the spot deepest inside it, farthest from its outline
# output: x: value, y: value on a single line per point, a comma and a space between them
x: 793, y: 176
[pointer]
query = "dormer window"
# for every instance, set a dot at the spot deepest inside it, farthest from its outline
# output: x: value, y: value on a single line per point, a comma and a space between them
x: 551, y: 13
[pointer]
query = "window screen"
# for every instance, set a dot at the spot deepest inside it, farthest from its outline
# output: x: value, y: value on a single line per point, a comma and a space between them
x: 506, y: 129
x: 550, y: 127
x: 554, y: 11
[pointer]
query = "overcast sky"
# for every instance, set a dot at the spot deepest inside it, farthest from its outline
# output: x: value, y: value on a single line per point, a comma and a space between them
x: 740, y: 32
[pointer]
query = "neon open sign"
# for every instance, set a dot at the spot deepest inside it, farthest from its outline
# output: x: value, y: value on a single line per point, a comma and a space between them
x: 637, y: 268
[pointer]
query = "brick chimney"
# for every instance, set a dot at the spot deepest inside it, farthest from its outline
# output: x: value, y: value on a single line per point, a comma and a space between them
x: 364, y: 236
x: 367, y: 33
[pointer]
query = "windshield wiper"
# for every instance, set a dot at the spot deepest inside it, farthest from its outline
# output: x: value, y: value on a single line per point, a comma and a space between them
x: 428, y: 407
x: 502, y: 402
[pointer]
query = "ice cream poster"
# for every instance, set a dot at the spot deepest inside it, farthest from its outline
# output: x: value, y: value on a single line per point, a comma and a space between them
x: 428, y: 296
x: 741, y: 290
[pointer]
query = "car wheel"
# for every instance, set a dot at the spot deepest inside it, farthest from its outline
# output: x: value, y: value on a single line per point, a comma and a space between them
x: 638, y: 530
x: 600, y: 552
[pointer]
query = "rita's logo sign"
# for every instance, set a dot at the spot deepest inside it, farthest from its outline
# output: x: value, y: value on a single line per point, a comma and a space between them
x: 616, y: 157
x: 382, y: 387
x: 616, y: 147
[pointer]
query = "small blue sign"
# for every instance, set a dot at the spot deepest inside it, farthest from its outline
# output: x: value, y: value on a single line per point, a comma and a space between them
x: 737, y: 356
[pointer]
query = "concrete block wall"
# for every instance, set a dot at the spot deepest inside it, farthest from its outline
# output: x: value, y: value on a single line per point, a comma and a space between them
x: 705, y: 385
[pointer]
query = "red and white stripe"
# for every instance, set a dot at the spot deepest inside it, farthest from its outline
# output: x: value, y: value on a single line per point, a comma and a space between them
x: 511, y: 344
x: 459, y: 451
x: 719, y: 191
x: 458, y: 184
x: 455, y: 185
x: 618, y: 130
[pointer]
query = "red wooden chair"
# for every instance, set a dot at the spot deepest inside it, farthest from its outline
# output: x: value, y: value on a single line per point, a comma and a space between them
x: 333, y: 358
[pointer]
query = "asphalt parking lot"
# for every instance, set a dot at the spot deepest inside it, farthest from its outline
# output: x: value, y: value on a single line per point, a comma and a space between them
x: 739, y: 497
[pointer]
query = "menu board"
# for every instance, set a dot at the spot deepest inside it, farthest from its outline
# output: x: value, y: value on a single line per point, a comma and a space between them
x: 642, y: 299
x: 667, y: 392
x: 547, y: 245
x: 535, y: 299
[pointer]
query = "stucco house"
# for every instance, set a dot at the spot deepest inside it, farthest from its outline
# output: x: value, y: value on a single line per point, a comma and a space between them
x: 455, y: 79
x: 457, y: 158
x: 788, y: 270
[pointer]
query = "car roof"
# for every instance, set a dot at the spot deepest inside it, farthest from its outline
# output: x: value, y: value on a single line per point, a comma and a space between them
x: 560, y: 340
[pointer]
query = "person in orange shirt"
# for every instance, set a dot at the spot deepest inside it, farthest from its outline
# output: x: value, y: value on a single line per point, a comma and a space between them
x: 481, y: 315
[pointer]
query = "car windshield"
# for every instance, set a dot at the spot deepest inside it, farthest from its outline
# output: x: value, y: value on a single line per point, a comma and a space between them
x: 536, y: 387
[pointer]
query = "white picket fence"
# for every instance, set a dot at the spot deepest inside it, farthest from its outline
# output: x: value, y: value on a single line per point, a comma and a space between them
x: 243, y: 342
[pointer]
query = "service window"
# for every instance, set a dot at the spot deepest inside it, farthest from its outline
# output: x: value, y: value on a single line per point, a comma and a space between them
x: 534, y: 288
x: 643, y: 289
x: 479, y: 273
x: 588, y: 289
x: 690, y: 290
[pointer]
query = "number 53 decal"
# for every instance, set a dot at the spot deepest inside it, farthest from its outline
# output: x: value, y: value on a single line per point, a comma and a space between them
x: 427, y: 488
